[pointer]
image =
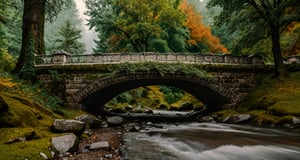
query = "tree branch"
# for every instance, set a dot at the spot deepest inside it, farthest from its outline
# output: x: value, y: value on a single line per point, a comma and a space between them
x: 254, y: 4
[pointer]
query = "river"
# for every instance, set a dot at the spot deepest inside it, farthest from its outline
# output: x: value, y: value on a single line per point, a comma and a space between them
x: 209, y: 141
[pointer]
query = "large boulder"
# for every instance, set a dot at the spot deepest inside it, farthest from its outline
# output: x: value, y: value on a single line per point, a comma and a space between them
x: 66, y: 125
x: 64, y: 144
x: 116, y: 120
x: 91, y: 121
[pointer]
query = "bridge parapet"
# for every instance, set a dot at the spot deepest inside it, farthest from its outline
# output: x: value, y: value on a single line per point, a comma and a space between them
x: 65, y: 58
x: 294, y: 59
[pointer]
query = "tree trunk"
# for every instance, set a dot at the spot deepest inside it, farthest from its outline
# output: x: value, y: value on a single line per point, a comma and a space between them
x: 33, y: 26
x: 279, y: 70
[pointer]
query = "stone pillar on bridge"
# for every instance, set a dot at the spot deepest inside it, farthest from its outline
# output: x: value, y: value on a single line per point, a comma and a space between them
x: 61, y: 57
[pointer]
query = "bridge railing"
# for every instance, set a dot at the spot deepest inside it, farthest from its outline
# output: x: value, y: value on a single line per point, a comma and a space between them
x: 65, y: 58
x: 294, y: 59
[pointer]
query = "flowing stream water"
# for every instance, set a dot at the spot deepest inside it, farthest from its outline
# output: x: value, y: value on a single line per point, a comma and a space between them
x: 208, y: 141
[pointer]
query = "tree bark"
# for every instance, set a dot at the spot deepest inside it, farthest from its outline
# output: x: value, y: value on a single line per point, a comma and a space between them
x: 279, y: 70
x: 33, y: 26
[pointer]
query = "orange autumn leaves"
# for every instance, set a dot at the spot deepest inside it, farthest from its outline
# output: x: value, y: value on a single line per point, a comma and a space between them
x: 199, y: 33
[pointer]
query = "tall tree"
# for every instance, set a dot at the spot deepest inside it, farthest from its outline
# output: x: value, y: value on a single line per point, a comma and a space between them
x: 69, y: 39
x: 33, y: 27
x: 69, y: 14
x: 201, y: 37
x: 260, y: 18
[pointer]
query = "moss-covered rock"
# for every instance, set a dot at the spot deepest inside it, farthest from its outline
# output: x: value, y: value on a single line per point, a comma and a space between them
x: 18, y: 114
x: 264, y: 103
x: 273, y: 102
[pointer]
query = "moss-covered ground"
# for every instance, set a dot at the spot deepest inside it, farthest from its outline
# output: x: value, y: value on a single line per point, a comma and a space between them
x: 21, y: 113
x: 272, y: 101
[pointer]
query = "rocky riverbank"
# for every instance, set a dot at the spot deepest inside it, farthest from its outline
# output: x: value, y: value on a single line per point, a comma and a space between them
x: 102, y: 137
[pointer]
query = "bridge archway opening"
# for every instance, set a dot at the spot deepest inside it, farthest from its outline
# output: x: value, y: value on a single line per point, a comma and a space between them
x: 99, y: 95
x: 154, y: 97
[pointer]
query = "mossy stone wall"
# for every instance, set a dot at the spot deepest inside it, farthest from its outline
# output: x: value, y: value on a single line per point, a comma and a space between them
x: 74, y: 83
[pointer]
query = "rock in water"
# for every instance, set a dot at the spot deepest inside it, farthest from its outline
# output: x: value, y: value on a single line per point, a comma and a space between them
x: 239, y: 118
x: 296, y: 121
x: 91, y: 121
x: 116, y: 120
x: 99, y: 145
x: 64, y: 144
x: 65, y: 125
x: 206, y: 119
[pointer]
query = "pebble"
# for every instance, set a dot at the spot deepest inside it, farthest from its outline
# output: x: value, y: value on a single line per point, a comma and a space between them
x: 108, y: 156
x: 43, y: 155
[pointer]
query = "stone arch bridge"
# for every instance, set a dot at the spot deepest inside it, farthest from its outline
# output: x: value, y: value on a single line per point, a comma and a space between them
x: 90, y: 81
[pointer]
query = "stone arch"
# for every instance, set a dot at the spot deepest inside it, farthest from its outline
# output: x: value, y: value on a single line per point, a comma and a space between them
x: 93, y: 96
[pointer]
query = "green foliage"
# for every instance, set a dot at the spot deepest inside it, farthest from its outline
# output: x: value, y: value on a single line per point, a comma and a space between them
x: 248, y: 23
x: 7, y: 61
x: 161, y: 68
x: 138, y: 25
x: 161, y: 45
x: 63, y: 32
x: 55, y: 76
x: 154, y: 97
x: 123, y: 98
x: 54, y: 7
x: 171, y: 94
x: 10, y: 25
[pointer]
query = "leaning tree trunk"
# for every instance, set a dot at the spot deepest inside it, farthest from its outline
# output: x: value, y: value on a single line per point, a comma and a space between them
x: 33, y: 27
x: 279, y: 70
